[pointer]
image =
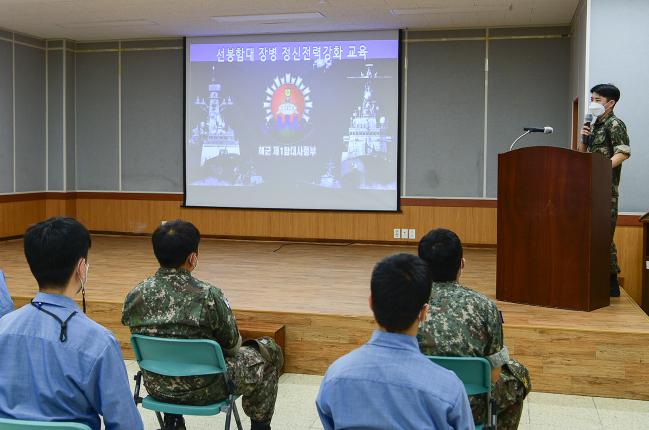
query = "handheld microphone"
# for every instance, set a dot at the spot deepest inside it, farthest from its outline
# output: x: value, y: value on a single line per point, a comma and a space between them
x: 528, y: 130
x: 544, y: 130
x: 588, y: 119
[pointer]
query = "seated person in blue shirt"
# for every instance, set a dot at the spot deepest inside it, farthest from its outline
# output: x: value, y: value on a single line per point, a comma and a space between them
x: 6, y: 304
x: 57, y: 364
x: 387, y: 383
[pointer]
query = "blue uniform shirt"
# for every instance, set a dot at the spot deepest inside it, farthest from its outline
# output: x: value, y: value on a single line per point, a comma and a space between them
x: 389, y: 384
x: 42, y: 378
x: 6, y: 304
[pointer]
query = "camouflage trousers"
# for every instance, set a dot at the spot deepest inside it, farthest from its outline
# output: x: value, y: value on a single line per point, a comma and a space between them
x: 615, y: 268
x: 254, y: 371
x: 508, y: 392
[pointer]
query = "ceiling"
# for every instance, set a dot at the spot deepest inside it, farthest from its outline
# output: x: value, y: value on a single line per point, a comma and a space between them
x: 126, y: 19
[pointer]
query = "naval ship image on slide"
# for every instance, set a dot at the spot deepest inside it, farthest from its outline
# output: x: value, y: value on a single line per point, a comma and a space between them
x: 366, y: 161
x: 220, y: 154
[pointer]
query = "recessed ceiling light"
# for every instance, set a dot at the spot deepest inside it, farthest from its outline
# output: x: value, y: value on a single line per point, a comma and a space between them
x: 446, y: 10
x: 280, y: 17
x: 115, y: 23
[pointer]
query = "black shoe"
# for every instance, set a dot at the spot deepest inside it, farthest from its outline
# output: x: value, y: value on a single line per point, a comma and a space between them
x: 259, y: 425
x: 174, y: 422
x: 614, y: 287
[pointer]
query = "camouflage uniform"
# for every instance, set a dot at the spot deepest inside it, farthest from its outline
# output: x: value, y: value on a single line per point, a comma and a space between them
x: 173, y: 303
x: 609, y: 137
x: 462, y: 322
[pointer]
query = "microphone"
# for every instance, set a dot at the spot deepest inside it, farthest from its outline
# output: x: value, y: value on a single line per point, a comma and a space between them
x: 588, y: 119
x: 545, y: 130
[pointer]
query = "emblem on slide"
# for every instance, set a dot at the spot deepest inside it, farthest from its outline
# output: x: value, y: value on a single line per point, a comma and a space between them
x: 288, y: 105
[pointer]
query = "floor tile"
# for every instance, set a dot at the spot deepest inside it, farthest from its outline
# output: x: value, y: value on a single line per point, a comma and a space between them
x: 295, y: 410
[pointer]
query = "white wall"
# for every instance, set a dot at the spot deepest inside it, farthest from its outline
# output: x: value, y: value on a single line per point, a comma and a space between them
x: 619, y: 54
x: 578, y: 60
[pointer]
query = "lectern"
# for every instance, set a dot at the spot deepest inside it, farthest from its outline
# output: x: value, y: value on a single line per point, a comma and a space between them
x: 554, y: 232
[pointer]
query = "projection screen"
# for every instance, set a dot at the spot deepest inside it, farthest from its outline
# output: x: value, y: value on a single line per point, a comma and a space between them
x: 295, y: 121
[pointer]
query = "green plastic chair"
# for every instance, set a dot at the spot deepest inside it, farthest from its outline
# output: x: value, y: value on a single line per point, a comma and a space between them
x: 7, y: 424
x: 475, y: 374
x: 182, y: 357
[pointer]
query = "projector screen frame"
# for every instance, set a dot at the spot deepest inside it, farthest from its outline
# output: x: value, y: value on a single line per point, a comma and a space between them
x: 400, y: 120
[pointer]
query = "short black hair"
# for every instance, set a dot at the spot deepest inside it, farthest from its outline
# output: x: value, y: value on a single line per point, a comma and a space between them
x: 608, y: 91
x: 442, y: 250
x: 53, y: 248
x: 173, y: 241
x: 401, y: 285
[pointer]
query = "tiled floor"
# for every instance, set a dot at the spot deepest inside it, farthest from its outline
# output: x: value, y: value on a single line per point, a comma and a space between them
x: 295, y: 410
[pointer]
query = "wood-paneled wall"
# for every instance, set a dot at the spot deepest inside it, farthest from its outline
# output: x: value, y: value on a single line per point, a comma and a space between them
x: 628, y: 240
x: 474, y: 221
x: 475, y: 225
x: 17, y: 215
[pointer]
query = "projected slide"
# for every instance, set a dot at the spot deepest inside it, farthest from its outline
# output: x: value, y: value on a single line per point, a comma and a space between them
x: 293, y: 121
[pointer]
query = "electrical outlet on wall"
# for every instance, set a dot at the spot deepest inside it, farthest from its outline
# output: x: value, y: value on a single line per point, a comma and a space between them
x: 412, y: 234
x: 404, y: 233
x: 397, y: 233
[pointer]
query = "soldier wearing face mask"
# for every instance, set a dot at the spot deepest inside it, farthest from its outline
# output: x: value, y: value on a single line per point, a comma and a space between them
x: 607, y: 135
x: 173, y: 303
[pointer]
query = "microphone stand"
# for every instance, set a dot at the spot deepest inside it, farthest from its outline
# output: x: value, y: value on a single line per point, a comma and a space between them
x: 519, y: 138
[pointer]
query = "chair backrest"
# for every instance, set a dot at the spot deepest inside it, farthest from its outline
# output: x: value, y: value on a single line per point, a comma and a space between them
x: 474, y: 372
x: 7, y: 424
x: 178, y: 357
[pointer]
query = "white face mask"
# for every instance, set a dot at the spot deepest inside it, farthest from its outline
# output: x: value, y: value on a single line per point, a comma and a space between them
x: 596, y: 109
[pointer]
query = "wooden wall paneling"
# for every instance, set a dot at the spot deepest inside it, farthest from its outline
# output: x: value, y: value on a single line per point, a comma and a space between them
x: 16, y: 216
x: 628, y: 241
x: 111, y: 213
x: 60, y: 204
x: 229, y: 222
x: 71, y: 207
x: 474, y: 225
x: 127, y: 216
x: 583, y: 362
x: 55, y: 207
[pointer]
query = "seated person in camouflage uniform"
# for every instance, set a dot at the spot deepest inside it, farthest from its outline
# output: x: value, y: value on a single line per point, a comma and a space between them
x: 172, y: 303
x: 463, y: 322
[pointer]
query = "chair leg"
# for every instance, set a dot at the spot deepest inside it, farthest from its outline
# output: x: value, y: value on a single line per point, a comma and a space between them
x: 228, y: 416
x: 138, y: 382
x: 160, y: 420
x: 493, y: 417
x: 236, y: 415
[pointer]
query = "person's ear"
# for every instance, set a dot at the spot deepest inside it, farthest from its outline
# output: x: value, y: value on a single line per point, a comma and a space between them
x: 192, y: 259
x: 424, y: 312
x: 81, y: 269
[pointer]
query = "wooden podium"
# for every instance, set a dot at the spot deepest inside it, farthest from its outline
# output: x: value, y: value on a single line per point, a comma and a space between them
x: 554, y: 234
